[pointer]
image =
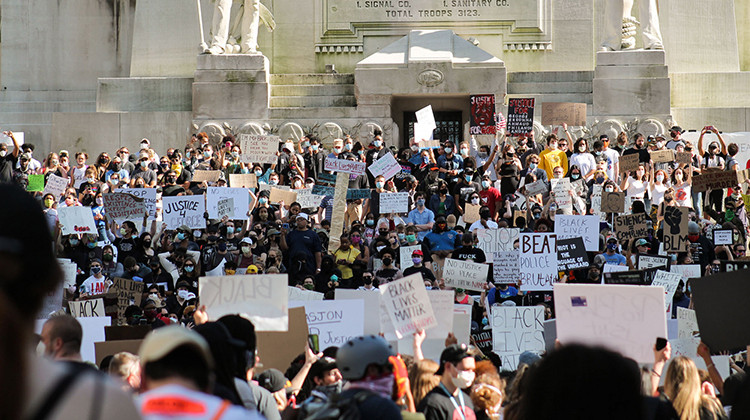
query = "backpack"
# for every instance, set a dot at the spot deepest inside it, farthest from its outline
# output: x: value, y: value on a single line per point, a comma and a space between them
x: 339, y: 408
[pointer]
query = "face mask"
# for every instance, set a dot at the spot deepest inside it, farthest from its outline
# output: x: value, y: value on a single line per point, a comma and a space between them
x: 609, y: 189
x: 464, y: 379
x: 348, y: 146
x: 230, y: 230
x: 448, y: 150
x: 182, y: 293
x: 416, y: 260
x: 414, y: 148
x: 575, y: 176
x: 99, y: 201
x: 337, y: 150
x: 273, y: 181
x: 370, y: 222
x: 485, y: 321
x: 189, y: 268
x: 532, y: 165
x: 315, y: 147
x: 263, y: 200
x: 426, y: 159
x: 74, y: 242
x: 468, y: 178
x: 222, y: 246
x: 123, y: 232
x: 420, y: 202
x: 660, y: 177
x: 485, y: 184
x: 356, y: 239
x: 5, y: 152
x: 482, y: 155
x: 693, y: 237
x: 379, y: 184
x: 91, y: 245
x: 48, y: 202
x: 207, y: 154
x: 144, y: 164
x: 411, y: 238
x: 582, y: 149
x: 611, y: 247
x: 95, y: 270
x: 308, y: 286
x: 144, y: 146
x: 90, y: 180
x: 377, y: 143
x: 387, y: 261
x: 475, y: 201
x: 401, y: 236
x: 360, y: 152
x: 464, y: 152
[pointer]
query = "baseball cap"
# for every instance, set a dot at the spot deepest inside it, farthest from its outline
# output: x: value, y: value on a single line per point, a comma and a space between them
x: 160, y: 342
x: 693, y: 227
x: 453, y: 354
x: 323, y: 365
x: 677, y: 128
x: 303, y: 216
x: 273, y: 380
x: 417, y: 252
x: 252, y: 269
x: 246, y: 241
x: 641, y: 242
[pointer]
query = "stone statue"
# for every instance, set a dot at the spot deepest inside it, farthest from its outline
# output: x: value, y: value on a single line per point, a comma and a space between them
x: 225, y: 31
x: 620, y: 25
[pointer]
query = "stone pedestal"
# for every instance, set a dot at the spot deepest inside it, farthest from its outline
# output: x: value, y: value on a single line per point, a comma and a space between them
x: 231, y: 86
x: 631, y: 83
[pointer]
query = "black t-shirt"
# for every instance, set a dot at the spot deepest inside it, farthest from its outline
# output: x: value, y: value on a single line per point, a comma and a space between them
x: 7, y: 163
x: 127, y: 248
x: 406, y: 170
x: 436, y: 405
x: 643, y: 155
x: 469, y: 253
x: 426, y: 272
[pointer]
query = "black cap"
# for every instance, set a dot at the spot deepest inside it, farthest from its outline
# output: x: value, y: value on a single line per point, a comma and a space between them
x: 273, y: 380
x: 453, y: 354
x: 677, y: 128
x: 323, y: 365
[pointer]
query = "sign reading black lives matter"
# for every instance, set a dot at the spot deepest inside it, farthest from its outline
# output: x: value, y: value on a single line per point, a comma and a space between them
x: 520, y: 115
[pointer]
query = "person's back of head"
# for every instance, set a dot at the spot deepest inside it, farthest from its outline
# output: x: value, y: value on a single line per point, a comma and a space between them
x: 243, y: 330
x: 62, y: 336
x: 174, y: 354
x: 682, y: 385
x: 578, y: 382
x: 126, y: 367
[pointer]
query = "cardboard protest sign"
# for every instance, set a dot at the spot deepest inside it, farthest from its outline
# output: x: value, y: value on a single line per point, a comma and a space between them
x: 536, y: 187
x: 278, y: 195
x: 571, y: 254
x: 505, y: 267
x: 516, y: 329
x: 687, y: 323
x: 538, y: 261
x: 76, y: 220
x: 471, y: 213
x: 358, y: 194
x: 683, y: 158
x: 723, y: 237
x: 371, y: 301
x: 240, y: 202
x: 669, y: 281
x: 494, y: 240
x: 36, y: 183
x: 579, y: 226
x: 149, y: 199
x: 676, y: 229
x: 714, y: 179
x: 631, y: 226
x: 482, y: 115
x: 407, y: 305
x: 644, y: 261
x: 87, y: 308
x: 666, y: 155
x: 339, y: 208
x: 613, y: 202
x: 308, y: 200
x: 129, y: 292
x: 520, y: 116
x: 334, y: 321
x: 258, y: 148
x: 325, y: 191
x: 405, y: 253
x: 184, y: 210
x: 345, y: 165
x: 720, y: 303
x: 55, y: 185
x: 465, y: 274
x: 122, y: 206
x: 426, y: 118
x: 394, y: 202
x: 263, y: 299
x: 277, y: 348
x: 557, y: 113
x: 243, y: 181
x: 629, y: 163
x: 625, y: 319
x: 386, y: 166
x: 207, y: 176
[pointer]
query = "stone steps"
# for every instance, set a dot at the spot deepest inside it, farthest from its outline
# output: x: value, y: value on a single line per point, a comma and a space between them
x: 312, y: 90
x: 47, y: 95
x: 329, y: 113
x: 313, y: 79
x: 312, y: 101
x: 587, y: 98
x: 553, y: 87
x: 550, y: 76
x: 39, y: 106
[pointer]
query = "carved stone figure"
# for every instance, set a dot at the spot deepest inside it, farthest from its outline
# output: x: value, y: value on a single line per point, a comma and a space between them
x: 238, y: 33
x: 620, y: 25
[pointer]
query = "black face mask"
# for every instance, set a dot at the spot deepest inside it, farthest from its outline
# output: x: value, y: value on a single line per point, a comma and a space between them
x: 387, y: 261
x: 383, y: 232
x: 367, y: 280
x: 484, y: 214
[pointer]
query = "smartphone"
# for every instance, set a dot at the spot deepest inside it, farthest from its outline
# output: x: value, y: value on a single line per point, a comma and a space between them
x: 661, y: 343
x: 285, y: 226
x: 312, y: 341
x: 709, y: 128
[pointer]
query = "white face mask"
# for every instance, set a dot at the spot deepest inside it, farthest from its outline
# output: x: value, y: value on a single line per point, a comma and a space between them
x: 475, y: 201
x: 182, y: 294
x: 660, y: 177
x: 464, y: 379
x: 144, y: 146
x: 609, y: 189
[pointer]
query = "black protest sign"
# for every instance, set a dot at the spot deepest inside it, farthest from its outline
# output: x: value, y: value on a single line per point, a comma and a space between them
x: 720, y: 303
x: 520, y: 115
x: 571, y: 254
x: 625, y: 277
x: 736, y: 265
x: 676, y: 229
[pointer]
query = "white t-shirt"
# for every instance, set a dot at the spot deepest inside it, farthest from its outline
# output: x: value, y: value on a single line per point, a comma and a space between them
x: 79, y: 176
x: 585, y: 161
x: 683, y: 195
x: 612, y: 159
x: 636, y: 189
x: 657, y: 194
x: 94, y: 286
x: 478, y: 225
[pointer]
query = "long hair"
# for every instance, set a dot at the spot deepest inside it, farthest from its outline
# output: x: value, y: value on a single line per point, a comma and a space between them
x: 487, y: 394
x: 423, y: 379
x: 682, y: 385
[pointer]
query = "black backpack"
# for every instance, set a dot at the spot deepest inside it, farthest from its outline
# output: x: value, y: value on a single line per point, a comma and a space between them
x: 338, y: 407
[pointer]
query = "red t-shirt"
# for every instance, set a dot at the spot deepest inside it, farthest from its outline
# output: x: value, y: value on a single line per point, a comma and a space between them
x: 491, y: 198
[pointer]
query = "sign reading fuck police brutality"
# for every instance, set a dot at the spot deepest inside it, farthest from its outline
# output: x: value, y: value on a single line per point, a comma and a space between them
x: 408, y: 306
x: 263, y: 299
x: 538, y: 261
x: 184, y: 210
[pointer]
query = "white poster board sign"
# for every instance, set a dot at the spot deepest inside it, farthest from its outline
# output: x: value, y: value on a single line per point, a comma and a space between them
x: 688, y: 271
x: 407, y: 305
x: 405, y: 255
x: 76, y: 220
x: 434, y: 343
x: 386, y: 166
x: 467, y: 275
x: 426, y: 118
x: 669, y: 281
x: 687, y: 323
x: 494, y: 240
x: 258, y: 149
x: 538, y: 261
x: 184, y: 210
x: 297, y: 294
x: 394, y: 202
x: 87, y: 308
x: 516, y: 329
x: 240, y: 197
x: 70, y: 270
x: 55, y: 185
x: 572, y: 226
x: 561, y: 188
x: 371, y: 300
x: 263, y: 299
x: 345, y: 165
x: 623, y: 318
x: 505, y: 267
x: 225, y: 208
x: 334, y: 321
x: 93, y: 332
x: 308, y: 200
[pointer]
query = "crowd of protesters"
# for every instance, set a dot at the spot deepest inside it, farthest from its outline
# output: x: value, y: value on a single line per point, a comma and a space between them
x: 189, y: 366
